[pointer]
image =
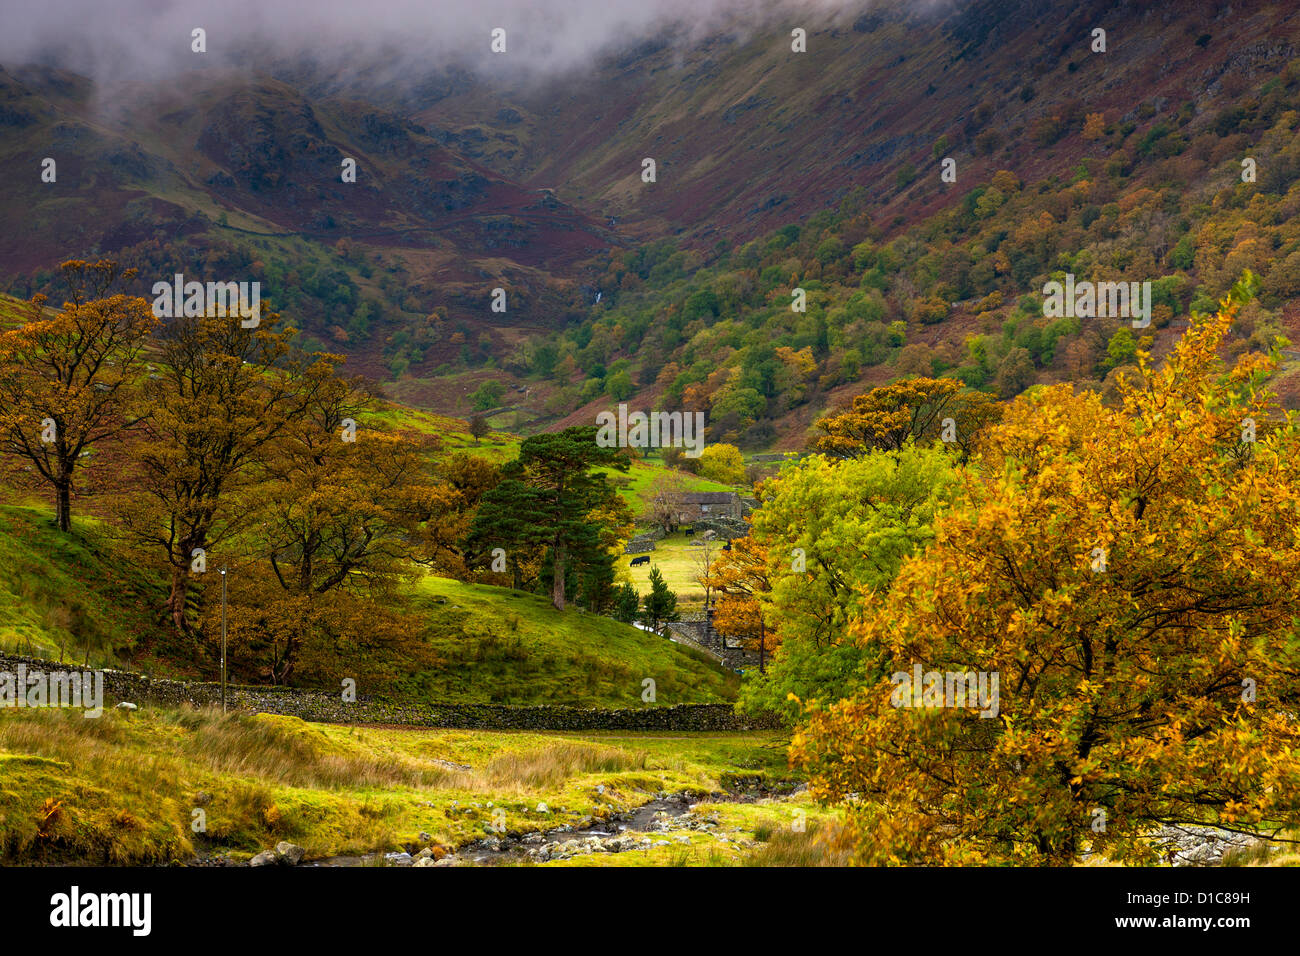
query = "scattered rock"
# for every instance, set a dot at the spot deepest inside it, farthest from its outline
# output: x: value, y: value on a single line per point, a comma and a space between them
x: 581, y: 847
x: 289, y: 853
x: 1199, y: 845
x: 450, y: 765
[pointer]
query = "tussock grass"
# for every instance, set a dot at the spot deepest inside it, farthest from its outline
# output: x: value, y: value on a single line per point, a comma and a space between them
x: 548, y: 767
x: 818, y: 845
x: 125, y: 788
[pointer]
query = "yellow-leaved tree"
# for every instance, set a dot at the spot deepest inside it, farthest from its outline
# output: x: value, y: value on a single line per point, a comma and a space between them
x: 913, y: 409
x: 1128, y: 576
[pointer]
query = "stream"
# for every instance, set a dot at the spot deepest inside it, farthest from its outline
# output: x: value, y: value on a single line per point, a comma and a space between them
x: 664, y: 821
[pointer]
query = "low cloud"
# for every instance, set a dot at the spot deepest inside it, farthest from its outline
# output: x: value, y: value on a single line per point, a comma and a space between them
x: 379, y: 41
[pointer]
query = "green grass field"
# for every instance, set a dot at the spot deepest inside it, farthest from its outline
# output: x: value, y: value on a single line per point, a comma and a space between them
x: 679, y: 561
x: 640, y: 480
x: 123, y: 789
x: 13, y: 312
x: 71, y: 597
x: 505, y: 646
x: 65, y: 596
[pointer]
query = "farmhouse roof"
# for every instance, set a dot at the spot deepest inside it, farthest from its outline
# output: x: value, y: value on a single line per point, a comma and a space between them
x: 709, y: 497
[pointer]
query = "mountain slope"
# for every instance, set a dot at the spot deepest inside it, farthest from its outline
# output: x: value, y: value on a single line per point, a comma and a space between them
x: 749, y: 135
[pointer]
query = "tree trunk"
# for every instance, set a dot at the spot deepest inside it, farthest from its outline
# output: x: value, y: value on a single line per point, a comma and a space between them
x: 63, y: 504
x: 557, y: 585
x: 176, y: 599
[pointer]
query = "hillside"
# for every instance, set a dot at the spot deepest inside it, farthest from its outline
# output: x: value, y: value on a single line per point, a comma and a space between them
x: 67, y: 597
x: 511, y: 647
x: 246, y: 180
x: 733, y: 118
x: 474, y: 178
x: 82, y: 598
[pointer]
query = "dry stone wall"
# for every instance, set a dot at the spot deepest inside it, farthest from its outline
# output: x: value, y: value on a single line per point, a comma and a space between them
x: 144, y: 691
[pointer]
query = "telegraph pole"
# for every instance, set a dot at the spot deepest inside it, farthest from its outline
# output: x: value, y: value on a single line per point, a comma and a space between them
x: 223, y: 640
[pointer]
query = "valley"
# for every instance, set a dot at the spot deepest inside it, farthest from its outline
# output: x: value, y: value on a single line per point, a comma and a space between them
x: 640, y: 435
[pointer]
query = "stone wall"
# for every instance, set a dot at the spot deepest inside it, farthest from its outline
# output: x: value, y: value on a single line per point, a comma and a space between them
x: 701, y: 633
x: 643, y: 541
x: 724, y: 527
x: 331, y: 708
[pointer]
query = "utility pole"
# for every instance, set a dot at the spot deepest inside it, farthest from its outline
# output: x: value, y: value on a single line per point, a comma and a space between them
x: 223, y: 640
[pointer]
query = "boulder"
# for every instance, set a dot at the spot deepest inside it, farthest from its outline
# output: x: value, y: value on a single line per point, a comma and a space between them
x: 265, y: 858
x: 289, y: 853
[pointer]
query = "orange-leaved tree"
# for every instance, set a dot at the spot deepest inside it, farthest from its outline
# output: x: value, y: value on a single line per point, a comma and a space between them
x: 1128, y: 577
x: 740, y: 578
x: 66, y: 382
x: 219, y: 399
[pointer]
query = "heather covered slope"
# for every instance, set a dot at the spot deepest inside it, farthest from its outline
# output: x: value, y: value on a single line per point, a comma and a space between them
x: 775, y: 169
x: 222, y: 176
x: 749, y: 136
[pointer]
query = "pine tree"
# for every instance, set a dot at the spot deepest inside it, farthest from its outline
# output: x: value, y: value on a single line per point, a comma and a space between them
x: 660, y: 603
x: 551, y: 498
x: 627, y: 604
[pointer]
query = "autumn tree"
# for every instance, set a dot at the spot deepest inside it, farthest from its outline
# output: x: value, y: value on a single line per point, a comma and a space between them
x: 447, y: 508
x: 302, y: 639
x: 741, y: 580
x: 705, y: 554
x: 835, y: 532
x: 723, y: 463
x: 337, y: 505
x: 338, y: 502
x: 1094, y: 127
x: 665, y: 499
x: 1128, y: 576
x: 913, y: 409
x: 66, y: 381
x: 216, y: 404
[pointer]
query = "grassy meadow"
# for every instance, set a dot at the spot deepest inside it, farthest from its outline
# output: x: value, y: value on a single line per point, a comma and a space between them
x: 123, y: 789
x: 504, y: 646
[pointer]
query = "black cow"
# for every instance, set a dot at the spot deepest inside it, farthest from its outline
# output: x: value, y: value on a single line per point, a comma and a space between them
x: 727, y: 546
x: 689, y: 532
x: 644, y: 559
